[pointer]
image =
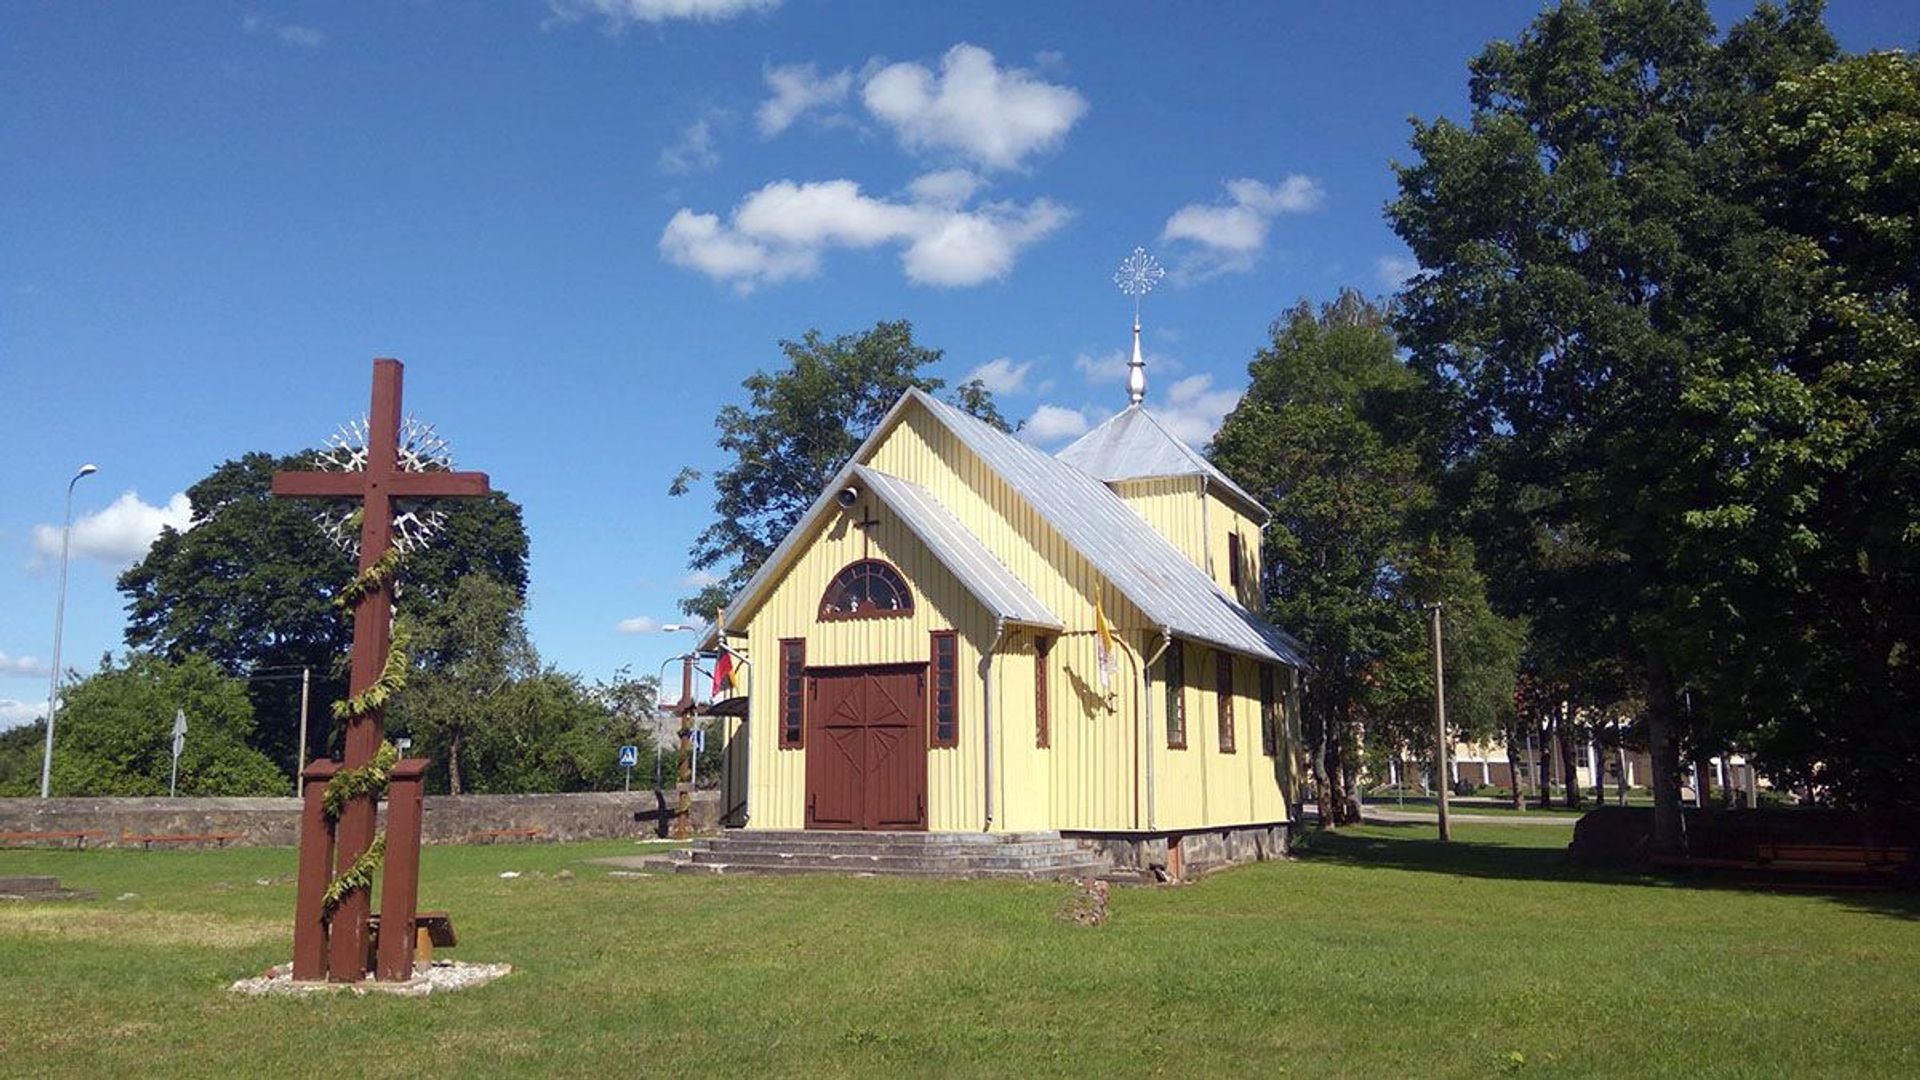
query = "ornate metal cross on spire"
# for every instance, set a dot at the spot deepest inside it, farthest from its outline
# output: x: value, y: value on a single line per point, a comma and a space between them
x: 1137, y: 276
x: 389, y: 469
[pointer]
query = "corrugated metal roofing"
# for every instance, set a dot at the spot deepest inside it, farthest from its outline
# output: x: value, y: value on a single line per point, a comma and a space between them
x: 961, y: 552
x: 1132, y: 445
x: 1129, y: 552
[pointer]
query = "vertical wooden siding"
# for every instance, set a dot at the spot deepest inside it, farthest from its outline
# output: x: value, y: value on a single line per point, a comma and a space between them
x: 1090, y: 778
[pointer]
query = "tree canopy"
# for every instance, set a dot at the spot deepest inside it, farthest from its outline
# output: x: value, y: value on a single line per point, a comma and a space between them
x: 800, y: 424
x: 251, y: 585
x: 1328, y: 437
x: 1666, y: 291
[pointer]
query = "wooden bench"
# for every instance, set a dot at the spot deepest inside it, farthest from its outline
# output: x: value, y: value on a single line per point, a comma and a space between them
x: 1834, y: 858
x: 220, y: 839
x: 490, y: 836
x: 79, y: 837
x: 431, y: 930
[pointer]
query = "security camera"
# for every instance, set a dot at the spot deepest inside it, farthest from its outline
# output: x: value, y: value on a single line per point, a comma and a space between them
x: 848, y: 496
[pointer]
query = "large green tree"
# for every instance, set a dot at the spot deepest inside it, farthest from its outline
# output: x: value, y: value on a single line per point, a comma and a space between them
x: 1329, y: 437
x: 799, y: 425
x: 251, y: 583
x: 115, y: 735
x: 1595, y: 298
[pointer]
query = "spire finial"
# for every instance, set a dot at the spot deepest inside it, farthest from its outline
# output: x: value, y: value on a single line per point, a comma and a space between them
x: 1137, y: 276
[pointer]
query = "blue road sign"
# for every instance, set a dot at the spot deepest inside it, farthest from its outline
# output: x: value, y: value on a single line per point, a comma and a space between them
x: 629, y: 756
x: 699, y: 741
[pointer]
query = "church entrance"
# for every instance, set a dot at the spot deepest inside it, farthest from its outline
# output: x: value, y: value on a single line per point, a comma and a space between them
x: 867, y: 747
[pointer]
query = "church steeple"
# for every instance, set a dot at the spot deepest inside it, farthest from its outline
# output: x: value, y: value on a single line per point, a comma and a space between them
x: 1136, y: 277
x: 1136, y: 369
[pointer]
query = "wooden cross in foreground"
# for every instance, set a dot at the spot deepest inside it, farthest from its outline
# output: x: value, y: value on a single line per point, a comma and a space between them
x: 341, y: 953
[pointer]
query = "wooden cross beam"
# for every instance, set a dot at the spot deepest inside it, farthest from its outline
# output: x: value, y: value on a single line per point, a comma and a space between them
x: 377, y: 486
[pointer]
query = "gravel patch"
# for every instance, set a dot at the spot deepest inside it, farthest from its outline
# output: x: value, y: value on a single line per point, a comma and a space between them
x: 439, y: 977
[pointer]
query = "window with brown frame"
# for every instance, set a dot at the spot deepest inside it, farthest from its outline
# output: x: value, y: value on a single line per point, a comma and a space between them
x: 1042, y: 720
x: 1176, y: 672
x: 1269, y: 710
x: 793, y: 692
x: 1233, y: 559
x: 867, y: 589
x: 1223, y: 689
x: 944, y: 702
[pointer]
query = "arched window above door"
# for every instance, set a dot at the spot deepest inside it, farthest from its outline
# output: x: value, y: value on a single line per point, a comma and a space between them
x: 868, y: 589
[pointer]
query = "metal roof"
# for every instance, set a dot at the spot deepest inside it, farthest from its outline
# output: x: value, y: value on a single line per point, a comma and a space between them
x: 1132, y: 445
x: 1142, y: 564
x: 961, y: 552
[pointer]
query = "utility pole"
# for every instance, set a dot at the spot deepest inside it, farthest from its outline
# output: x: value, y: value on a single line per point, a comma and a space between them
x: 300, y: 758
x: 59, y: 621
x: 1440, y: 742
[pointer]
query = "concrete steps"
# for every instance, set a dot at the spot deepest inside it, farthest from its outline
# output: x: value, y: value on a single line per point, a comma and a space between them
x: 1023, y: 856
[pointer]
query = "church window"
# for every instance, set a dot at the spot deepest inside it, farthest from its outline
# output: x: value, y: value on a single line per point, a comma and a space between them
x: 946, y: 688
x: 1269, y: 713
x: 1042, y: 720
x: 1223, y: 689
x: 1176, y: 697
x: 1234, y: 574
x: 793, y: 691
x: 867, y: 589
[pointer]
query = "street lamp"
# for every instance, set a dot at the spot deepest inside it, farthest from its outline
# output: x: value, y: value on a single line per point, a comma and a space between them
x: 59, y: 618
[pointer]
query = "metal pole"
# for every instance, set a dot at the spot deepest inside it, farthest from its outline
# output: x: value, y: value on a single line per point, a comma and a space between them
x: 1440, y: 746
x: 300, y: 761
x: 59, y: 620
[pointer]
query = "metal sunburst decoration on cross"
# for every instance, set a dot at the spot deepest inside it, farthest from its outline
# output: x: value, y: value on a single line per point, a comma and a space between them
x: 1138, y: 274
x: 421, y: 449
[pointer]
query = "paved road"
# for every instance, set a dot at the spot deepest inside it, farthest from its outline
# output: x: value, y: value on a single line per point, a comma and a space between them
x: 1374, y: 813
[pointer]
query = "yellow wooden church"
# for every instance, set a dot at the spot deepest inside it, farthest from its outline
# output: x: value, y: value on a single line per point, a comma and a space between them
x: 925, y: 650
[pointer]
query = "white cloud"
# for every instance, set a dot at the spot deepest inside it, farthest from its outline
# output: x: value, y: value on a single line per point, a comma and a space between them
x: 639, y: 624
x: 782, y: 230
x: 1052, y: 423
x: 797, y: 90
x: 620, y: 14
x: 287, y: 33
x: 1394, y: 270
x: 1227, y: 237
x: 992, y: 115
x: 22, y: 665
x: 700, y: 579
x: 14, y: 714
x: 121, y: 533
x: 694, y: 152
x: 1194, y: 409
x: 1001, y: 376
x: 947, y: 187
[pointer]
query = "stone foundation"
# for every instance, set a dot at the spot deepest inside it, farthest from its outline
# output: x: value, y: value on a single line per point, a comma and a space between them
x: 448, y: 819
x: 1190, y: 853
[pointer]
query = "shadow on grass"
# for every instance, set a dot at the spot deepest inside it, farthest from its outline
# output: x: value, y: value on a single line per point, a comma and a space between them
x: 1411, y: 846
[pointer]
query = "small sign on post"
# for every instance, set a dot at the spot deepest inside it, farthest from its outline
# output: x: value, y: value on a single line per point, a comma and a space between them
x: 179, y: 744
x: 629, y: 757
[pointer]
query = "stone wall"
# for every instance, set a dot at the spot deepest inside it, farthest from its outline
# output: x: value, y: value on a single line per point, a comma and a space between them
x: 447, y: 818
x: 1185, y: 855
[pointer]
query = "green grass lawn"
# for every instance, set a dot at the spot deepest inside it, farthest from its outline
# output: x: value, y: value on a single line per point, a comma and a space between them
x: 1379, y: 953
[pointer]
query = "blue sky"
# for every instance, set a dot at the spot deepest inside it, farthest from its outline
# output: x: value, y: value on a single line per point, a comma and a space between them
x: 582, y: 223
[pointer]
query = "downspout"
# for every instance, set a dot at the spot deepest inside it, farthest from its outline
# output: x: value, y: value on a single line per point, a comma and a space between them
x: 986, y: 715
x: 1146, y: 698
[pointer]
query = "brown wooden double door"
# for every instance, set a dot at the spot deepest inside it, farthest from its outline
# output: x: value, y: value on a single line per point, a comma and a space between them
x: 867, y: 748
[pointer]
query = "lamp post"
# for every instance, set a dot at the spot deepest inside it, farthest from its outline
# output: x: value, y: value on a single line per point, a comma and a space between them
x: 1441, y: 743
x: 59, y: 619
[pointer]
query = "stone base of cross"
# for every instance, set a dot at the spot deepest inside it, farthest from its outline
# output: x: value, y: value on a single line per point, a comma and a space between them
x: 331, y: 933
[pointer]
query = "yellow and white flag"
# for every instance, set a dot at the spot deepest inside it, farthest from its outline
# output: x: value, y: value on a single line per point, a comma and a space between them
x: 1103, y: 643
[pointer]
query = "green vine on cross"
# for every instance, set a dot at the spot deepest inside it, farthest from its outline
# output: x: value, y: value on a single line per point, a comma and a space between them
x: 372, y: 778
